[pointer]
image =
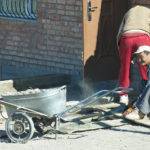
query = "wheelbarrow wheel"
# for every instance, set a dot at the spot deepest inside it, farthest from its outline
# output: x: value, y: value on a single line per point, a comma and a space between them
x: 19, y: 127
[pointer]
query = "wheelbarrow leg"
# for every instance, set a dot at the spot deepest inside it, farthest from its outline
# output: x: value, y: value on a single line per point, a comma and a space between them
x: 57, y: 126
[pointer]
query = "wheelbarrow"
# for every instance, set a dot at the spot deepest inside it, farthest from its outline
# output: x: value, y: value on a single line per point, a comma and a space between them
x: 42, y: 111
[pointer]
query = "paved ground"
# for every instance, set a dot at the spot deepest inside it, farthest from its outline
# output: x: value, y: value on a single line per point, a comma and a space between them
x: 126, y: 137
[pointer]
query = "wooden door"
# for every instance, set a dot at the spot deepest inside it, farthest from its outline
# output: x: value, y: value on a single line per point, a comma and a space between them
x: 101, y: 59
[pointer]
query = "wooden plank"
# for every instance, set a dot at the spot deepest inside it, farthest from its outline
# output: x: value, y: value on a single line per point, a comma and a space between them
x: 77, y: 117
x: 96, y: 112
x: 143, y: 122
x: 72, y: 127
x: 84, y: 121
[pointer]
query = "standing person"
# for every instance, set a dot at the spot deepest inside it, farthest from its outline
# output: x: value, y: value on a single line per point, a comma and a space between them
x: 142, y: 105
x: 134, y: 31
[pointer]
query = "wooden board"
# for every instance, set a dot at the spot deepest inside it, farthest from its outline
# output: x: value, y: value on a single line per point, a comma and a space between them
x: 144, y: 122
x: 96, y: 111
x: 92, y: 118
x: 87, y: 125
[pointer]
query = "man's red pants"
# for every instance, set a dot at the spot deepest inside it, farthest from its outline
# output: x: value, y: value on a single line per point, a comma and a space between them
x: 128, y: 44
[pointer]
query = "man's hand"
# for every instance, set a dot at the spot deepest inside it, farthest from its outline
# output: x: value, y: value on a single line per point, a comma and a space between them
x: 128, y: 111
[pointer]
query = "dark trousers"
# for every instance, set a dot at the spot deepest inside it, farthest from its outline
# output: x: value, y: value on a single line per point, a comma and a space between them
x: 143, y: 102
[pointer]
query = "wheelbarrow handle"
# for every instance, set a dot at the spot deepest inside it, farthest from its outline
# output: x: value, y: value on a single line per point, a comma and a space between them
x: 120, y: 90
x: 103, y: 92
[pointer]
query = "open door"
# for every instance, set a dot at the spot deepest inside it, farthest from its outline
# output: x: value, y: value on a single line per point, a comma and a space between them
x: 101, y: 22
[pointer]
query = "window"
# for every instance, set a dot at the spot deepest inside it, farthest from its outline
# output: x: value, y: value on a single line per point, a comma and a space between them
x: 24, y: 9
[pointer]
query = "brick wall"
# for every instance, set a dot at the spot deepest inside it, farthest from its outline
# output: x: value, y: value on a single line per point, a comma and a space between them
x: 51, y: 44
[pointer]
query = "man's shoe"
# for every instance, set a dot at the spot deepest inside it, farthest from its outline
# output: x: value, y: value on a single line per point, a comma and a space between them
x: 136, y: 114
x: 124, y: 99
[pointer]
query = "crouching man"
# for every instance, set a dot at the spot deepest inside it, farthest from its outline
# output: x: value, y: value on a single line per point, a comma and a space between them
x: 142, y: 104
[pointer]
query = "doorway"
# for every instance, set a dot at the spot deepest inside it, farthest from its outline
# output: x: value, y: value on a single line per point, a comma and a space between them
x: 101, y: 23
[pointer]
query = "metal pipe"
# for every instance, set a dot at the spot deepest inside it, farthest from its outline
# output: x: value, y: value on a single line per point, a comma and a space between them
x: 81, y: 102
x: 92, y: 101
x: 112, y: 91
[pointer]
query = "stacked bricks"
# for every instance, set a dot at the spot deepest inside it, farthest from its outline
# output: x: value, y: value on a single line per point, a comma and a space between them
x: 54, y: 41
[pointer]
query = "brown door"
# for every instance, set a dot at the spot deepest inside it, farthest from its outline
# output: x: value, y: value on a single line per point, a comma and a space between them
x: 101, y: 59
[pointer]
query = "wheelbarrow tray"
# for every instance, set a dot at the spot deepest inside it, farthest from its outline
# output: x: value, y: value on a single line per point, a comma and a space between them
x: 23, y: 109
x: 49, y: 102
